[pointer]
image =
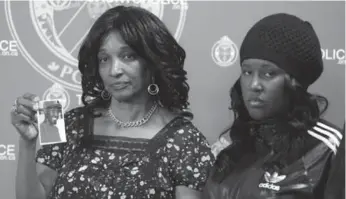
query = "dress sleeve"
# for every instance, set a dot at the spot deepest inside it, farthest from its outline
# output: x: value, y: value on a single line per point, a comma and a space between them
x: 191, y: 158
x: 52, y: 155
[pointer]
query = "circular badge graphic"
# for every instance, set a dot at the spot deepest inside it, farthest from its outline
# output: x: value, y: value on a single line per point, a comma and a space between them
x: 57, y: 92
x: 224, y: 52
x: 50, y: 32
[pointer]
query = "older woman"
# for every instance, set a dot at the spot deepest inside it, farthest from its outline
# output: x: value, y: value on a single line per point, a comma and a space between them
x: 281, y: 148
x: 131, y: 139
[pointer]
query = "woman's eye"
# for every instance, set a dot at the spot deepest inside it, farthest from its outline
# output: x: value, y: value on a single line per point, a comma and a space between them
x: 269, y: 74
x: 129, y: 57
x: 246, y: 72
x: 103, y: 59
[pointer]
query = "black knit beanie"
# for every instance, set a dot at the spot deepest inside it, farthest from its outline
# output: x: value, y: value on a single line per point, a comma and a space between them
x: 287, y: 41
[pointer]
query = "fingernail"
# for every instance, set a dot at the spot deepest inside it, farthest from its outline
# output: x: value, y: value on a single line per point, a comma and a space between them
x: 36, y: 99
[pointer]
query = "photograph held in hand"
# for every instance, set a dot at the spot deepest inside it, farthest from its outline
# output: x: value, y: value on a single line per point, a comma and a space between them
x: 51, y: 123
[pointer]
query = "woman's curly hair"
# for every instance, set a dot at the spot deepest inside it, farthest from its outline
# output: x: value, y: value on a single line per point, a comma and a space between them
x: 148, y: 36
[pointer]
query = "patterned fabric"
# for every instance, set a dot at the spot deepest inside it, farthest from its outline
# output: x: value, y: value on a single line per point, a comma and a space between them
x: 121, y: 167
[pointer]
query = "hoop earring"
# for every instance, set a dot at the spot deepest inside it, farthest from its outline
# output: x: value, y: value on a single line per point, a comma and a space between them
x: 105, y: 95
x: 153, y: 89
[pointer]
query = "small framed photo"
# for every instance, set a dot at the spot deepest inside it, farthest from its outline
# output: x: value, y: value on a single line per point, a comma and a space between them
x: 51, y: 124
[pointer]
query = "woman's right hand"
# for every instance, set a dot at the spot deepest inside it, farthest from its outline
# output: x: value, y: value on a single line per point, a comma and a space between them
x: 23, y: 116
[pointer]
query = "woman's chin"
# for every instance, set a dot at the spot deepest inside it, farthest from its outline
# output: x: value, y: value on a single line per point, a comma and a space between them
x: 122, y: 97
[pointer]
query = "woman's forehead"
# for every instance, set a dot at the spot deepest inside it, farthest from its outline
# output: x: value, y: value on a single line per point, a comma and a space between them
x: 112, y: 40
x: 261, y: 64
x: 258, y: 62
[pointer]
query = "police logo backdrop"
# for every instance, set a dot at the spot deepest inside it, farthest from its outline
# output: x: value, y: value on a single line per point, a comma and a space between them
x: 39, y: 43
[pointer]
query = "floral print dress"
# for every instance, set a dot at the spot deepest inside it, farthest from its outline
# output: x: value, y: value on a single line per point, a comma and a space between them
x: 126, y: 168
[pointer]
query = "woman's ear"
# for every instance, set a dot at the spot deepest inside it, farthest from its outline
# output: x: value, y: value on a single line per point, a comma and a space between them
x: 295, y: 83
x: 292, y: 82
